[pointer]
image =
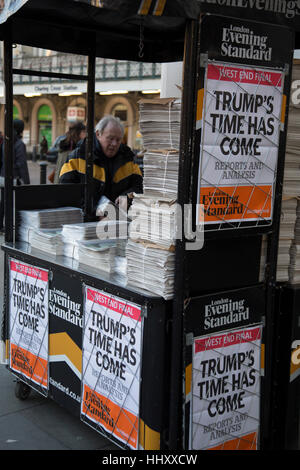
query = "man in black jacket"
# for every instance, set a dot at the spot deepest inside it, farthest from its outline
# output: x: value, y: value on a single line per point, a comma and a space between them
x: 20, y: 167
x: 114, y: 172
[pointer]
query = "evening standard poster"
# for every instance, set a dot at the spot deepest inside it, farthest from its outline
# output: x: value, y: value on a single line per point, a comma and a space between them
x: 239, y: 143
x: 112, y: 340
x: 226, y: 390
x: 28, y: 322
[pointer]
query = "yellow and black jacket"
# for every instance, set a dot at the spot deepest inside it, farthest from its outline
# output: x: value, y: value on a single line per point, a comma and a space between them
x: 112, y: 177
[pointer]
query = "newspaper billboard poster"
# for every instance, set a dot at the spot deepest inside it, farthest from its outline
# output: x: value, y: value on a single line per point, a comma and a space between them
x: 112, y: 340
x: 239, y: 143
x: 226, y: 390
x: 65, y: 340
x: 28, y: 322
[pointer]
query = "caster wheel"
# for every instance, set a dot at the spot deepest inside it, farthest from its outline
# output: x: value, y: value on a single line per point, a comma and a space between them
x: 22, y: 391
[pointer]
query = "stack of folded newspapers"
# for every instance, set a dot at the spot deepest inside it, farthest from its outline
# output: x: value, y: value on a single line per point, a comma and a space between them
x: 150, y: 250
x: 49, y: 241
x: 30, y: 220
x: 106, y: 229
x: 286, y: 239
x: 161, y: 173
x: 150, y: 268
x: 291, y: 184
x: 291, y: 181
x: 153, y: 220
x: 160, y: 123
x: 294, y: 269
x: 97, y: 254
x: 96, y: 244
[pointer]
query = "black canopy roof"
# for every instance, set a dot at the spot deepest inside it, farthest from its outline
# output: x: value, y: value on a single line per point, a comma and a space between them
x: 76, y: 26
x: 119, y: 28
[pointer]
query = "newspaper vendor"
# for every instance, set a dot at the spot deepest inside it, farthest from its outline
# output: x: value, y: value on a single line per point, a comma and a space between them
x: 114, y: 172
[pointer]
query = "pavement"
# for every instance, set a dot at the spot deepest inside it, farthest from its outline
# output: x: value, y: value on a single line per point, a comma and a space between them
x: 39, y: 423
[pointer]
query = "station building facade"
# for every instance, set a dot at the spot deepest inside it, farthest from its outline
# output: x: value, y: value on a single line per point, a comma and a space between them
x: 48, y: 106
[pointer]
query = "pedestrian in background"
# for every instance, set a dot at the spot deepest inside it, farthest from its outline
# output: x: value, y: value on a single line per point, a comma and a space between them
x: 76, y: 132
x: 43, y: 148
x: 20, y: 167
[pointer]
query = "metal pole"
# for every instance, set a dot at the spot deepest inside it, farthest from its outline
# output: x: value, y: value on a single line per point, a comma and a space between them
x: 270, y: 428
x: 186, y: 134
x: 8, y: 134
x: 88, y: 207
x: 43, y: 172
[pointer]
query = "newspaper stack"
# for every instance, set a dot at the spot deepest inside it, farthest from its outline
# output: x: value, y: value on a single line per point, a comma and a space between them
x: 89, y: 239
x: 291, y: 181
x: 97, y: 254
x: 153, y: 220
x: 161, y: 173
x: 160, y: 123
x: 286, y: 238
x: 49, y: 241
x: 46, y: 219
x: 294, y: 269
x: 150, y: 268
x: 106, y: 229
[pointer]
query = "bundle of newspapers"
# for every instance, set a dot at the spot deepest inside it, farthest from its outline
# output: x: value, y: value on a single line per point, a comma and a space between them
x: 161, y: 173
x: 288, y: 220
x: 98, y: 254
x: 150, y: 268
x: 106, y: 229
x: 49, y: 241
x: 294, y: 269
x: 160, y: 123
x: 153, y: 220
x: 95, y: 244
x: 150, y: 248
x: 291, y: 183
x: 42, y: 228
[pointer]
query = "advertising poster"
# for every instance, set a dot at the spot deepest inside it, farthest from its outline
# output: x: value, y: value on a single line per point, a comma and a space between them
x: 28, y: 322
x: 112, y: 341
x: 225, y: 310
x: 226, y: 390
x: 239, y: 143
x: 65, y: 340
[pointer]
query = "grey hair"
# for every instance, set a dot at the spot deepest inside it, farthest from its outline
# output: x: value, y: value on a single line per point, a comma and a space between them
x: 101, y: 125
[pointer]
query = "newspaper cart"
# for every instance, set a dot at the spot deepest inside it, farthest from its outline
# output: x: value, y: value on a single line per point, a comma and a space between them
x: 222, y: 315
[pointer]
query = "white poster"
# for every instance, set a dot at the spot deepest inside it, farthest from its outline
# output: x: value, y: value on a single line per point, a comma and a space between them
x: 112, y: 340
x: 28, y: 321
x: 239, y: 143
x: 226, y: 390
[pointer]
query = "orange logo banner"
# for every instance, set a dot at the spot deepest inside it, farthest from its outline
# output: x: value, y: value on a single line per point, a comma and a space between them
x: 236, y: 203
x: 26, y: 363
x: 113, y: 418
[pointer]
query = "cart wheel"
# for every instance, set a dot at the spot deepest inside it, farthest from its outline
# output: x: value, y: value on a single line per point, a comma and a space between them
x: 22, y: 391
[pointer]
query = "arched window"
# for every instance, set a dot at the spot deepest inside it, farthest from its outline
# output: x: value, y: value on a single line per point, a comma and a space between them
x: 16, y: 114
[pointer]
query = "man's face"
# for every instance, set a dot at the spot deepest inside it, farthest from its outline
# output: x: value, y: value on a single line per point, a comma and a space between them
x: 110, y: 139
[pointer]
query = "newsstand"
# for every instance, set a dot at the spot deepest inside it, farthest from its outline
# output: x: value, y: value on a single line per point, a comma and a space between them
x: 194, y: 372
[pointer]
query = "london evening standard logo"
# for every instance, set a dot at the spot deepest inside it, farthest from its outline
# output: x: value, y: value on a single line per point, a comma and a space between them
x: 241, y: 42
x: 287, y: 8
x: 225, y: 311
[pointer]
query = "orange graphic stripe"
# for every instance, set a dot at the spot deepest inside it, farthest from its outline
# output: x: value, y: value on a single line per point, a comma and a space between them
x: 26, y: 363
x: 236, y: 203
x: 116, y: 420
x: 248, y: 442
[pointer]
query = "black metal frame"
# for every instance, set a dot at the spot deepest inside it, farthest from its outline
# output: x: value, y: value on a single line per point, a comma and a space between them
x: 186, y: 194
